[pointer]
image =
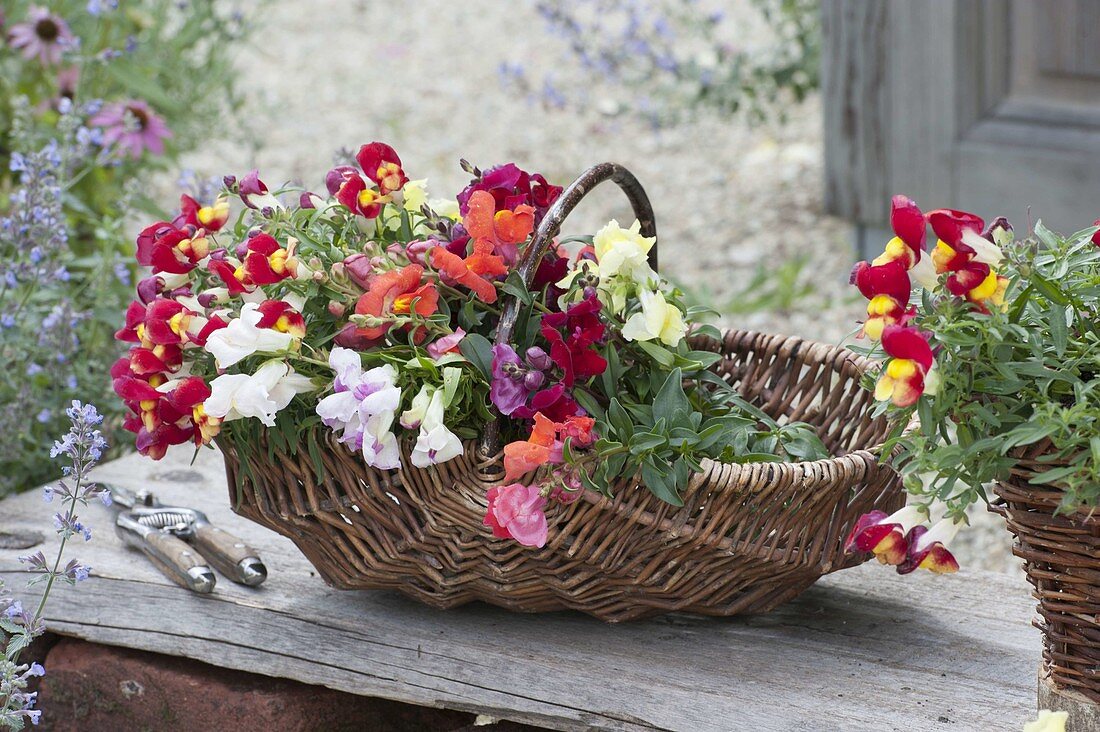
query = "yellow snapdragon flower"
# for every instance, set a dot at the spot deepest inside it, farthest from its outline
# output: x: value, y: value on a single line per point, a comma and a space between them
x: 658, y: 319
x: 624, y: 252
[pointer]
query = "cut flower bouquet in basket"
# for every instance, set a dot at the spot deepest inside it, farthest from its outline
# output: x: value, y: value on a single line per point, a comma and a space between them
x: 439, y: 396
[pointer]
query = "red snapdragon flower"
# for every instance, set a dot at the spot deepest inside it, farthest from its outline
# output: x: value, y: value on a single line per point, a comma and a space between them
x: 885, y: 536
x: 927, y: 548
x: 397, y: 292
x: 232, y: 275
x: 968, y: 257
x: 166, y: 413
x: 1096, y: 237
x: 381, y: 164
x: 280, y: 316
x: 364, y: 192
x: 909, y: 227
x: 144, y: 361
x: 266, y: 261
x: 357, y: 196
x: 166, y: 248
x: 903, y: 380
x: 161, y: 322
x: 511, y: 187
x: 572, y: 336
x: 211, y: 218
x: 887, y: 288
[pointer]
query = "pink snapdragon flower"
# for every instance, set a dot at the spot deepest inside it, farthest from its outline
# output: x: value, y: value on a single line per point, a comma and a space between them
x: 133, y: 127
x: 444, y: 345
x: 44, y: 34
x: 517, y: 512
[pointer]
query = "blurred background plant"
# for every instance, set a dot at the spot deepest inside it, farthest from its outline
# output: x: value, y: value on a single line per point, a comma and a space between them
x: 96, y: 97
x: 667, y: 59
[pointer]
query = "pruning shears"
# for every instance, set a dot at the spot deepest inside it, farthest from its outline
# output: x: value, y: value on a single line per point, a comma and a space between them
x: 180, y: 541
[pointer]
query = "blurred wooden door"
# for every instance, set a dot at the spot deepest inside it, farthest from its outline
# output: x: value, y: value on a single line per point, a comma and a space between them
x: 987, y: 105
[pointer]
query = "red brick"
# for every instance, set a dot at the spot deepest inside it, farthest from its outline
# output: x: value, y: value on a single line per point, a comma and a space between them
x: 89, y: 687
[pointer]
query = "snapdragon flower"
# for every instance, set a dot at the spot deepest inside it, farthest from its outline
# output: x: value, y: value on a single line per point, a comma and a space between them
x: 361, y: 408
x: 260, y: 395
x: 435, y: 443
x: 658, y: 320
x: 244, y: 337
x: 624, y: 253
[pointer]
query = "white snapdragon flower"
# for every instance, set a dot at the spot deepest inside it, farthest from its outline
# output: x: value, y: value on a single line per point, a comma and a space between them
x: 242, y: 338
x: 378, y: 443
x: 435, y: 443
x: 260, y: 395
x: 362, y: 407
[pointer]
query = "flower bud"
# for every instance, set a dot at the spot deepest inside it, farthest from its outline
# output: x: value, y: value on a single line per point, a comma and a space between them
x: 534, y: 380
x: 359, y: 269
x: 417, y: 251
x: 538, y: 359
x: 230, y: 182
x: 589, y: 292
x: 336, y: 309
x: 149, y: 288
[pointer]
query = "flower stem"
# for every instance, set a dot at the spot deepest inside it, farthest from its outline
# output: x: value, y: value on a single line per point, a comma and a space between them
x: 70, y: 507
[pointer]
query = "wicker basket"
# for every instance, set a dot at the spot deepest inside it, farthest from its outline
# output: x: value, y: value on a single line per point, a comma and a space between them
x: 1061, y: 556
x: 747, y: 538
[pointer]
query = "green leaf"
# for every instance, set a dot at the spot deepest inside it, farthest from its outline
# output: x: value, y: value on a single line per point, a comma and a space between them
x: 452, y: 379
x: 613, y: 466
x: 1059, y: 330
x: 17, y: 643
x: 661, y: 355
x: 620, y: 420
x: 645, y: 441
x: 469, y: 317
x: 671, y: 403
x: 479, y: 351
x: 514, y: 286
x: 586, y: 400
x: 658, y: 482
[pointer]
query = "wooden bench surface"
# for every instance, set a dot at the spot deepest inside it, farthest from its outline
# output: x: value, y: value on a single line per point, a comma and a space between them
x: 862, y: 650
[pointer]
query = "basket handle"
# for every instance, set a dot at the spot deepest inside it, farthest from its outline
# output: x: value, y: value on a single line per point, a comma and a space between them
x: 544, y: 238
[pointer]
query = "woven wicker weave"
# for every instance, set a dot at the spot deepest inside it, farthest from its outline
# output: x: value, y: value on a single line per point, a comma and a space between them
x: 1061, y: 556
x: 747, y: 538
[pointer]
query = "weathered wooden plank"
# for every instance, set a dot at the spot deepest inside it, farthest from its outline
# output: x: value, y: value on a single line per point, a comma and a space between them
x: 863, y: 650
x: 856, y: 92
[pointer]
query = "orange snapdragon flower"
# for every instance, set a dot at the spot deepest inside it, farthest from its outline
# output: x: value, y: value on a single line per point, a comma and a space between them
x: 397, y: 292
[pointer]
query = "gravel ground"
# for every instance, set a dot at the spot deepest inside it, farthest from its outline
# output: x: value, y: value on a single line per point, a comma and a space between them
x: 729, y: 198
